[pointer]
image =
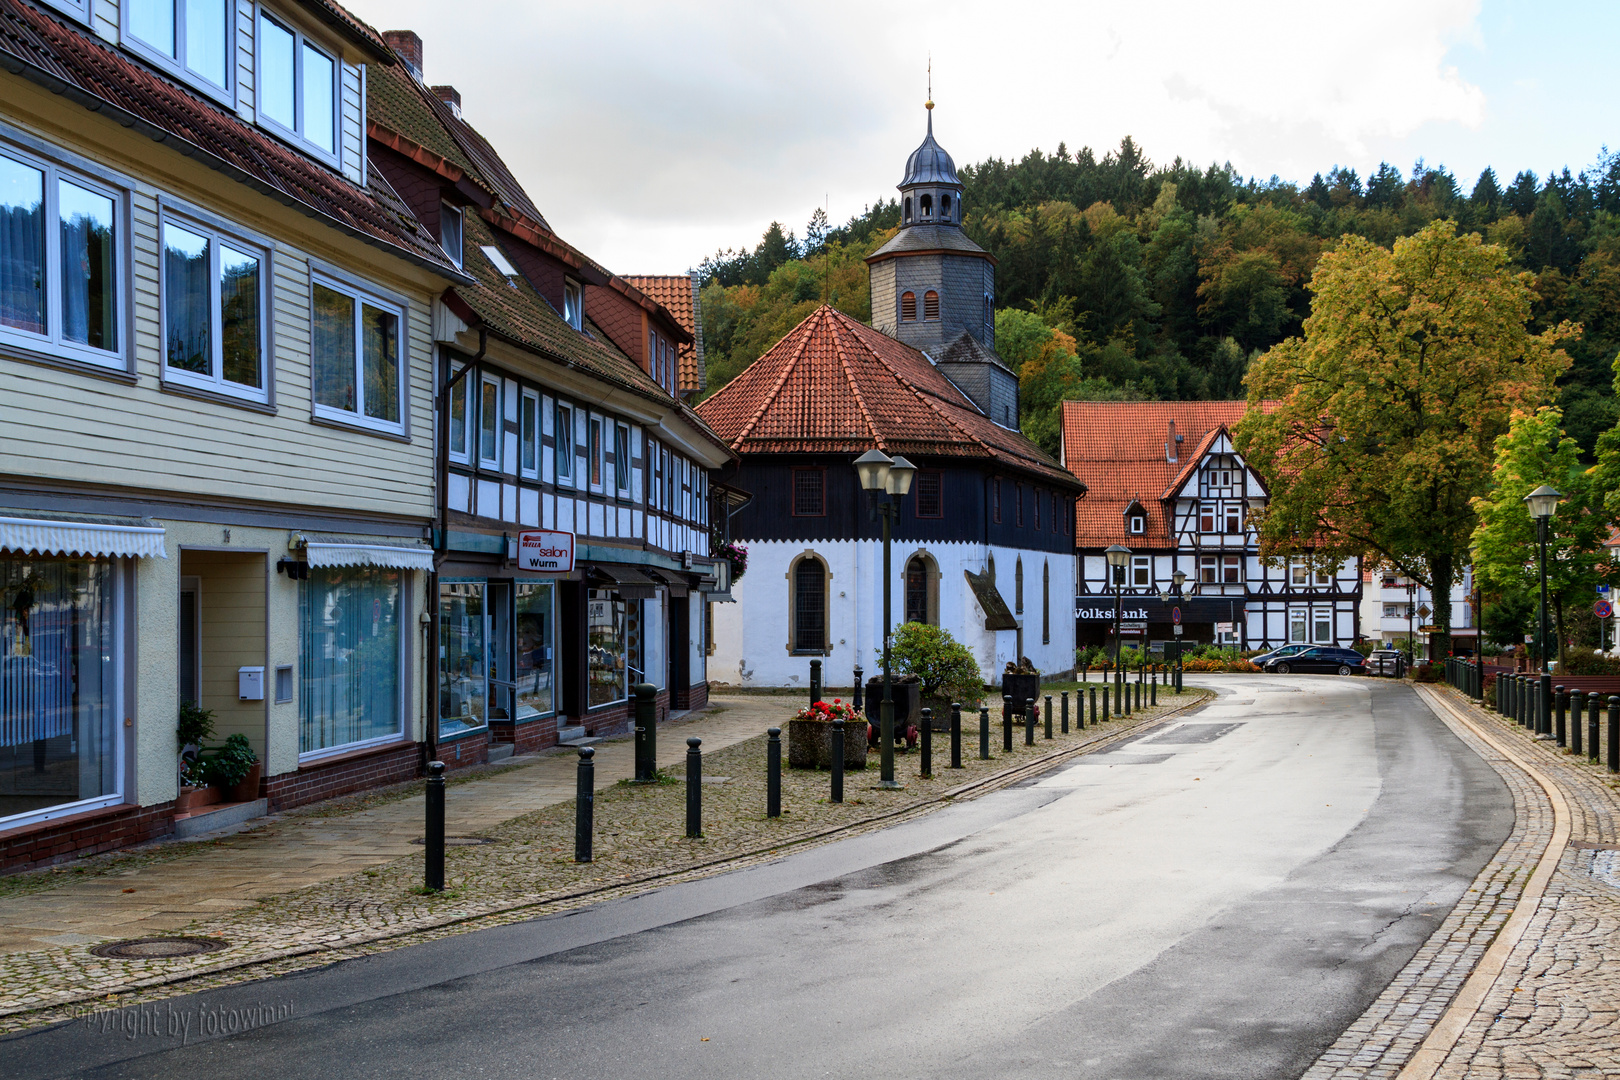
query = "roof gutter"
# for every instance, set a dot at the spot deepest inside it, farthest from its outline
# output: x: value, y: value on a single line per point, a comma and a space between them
x: 78, y: 95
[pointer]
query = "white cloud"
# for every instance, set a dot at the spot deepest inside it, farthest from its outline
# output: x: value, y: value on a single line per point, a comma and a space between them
x: 651, y: 133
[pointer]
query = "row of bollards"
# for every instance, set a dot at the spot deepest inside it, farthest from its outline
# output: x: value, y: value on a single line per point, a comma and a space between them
x: 1554, y: 713
x: 646, y: 756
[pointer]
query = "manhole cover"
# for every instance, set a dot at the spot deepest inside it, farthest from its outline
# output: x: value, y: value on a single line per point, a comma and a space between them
x: 458, y: 841
x: 158, y: 948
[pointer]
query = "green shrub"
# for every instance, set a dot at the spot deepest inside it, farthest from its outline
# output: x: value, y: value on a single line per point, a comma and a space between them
x: 196, y: 724
x: 1578, y: 661
x: 943, y: 664
x: 229, y: 765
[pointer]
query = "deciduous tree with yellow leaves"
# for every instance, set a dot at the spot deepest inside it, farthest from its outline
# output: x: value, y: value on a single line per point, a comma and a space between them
x: 1386, y: 412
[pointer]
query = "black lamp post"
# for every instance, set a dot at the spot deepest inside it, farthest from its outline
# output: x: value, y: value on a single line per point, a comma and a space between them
x: 1543, y: 504
x: 888, y: 479
x: 1118, y: 558
x: 1166, y: 597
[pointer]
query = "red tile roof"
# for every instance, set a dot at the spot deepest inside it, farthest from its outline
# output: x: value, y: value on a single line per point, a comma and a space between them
x: 677, y: 294
x: 83, y: 68
x: 837, y: 386
x: 1119, y: 447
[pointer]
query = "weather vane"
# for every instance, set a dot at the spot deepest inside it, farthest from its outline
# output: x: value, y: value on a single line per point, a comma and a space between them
x: 929, y: 104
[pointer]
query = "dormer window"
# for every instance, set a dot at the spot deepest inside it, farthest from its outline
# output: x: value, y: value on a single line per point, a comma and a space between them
x: 1138, y: 524
x: 450, y: 232
x: 297, y: 87
x: 189, y: 37
x: 573, y: 305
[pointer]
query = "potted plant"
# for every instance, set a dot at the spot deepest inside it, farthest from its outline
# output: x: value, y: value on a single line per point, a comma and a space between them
x: 234, y: 768
x: 810, y: 736
x: 946, y: 670
x: 1021, y: 682
x: 194, y: 728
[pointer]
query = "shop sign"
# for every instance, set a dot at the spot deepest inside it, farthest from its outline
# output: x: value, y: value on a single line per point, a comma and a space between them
x: 546, y: 551
x: 1106, y: 614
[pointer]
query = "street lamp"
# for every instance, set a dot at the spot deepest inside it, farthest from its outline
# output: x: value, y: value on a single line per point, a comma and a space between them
x: 1118, y: 558
x: 1543, y: 503
x: 882, y: 475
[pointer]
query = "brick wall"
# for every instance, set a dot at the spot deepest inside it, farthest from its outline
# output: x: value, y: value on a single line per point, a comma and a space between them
x: 29, y: 847
x: 343, y: 775
x: 465, y: 752
x: 525, y: 738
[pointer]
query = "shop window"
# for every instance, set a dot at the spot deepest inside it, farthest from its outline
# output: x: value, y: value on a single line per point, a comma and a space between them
x: 350, y: 657
x: 59, y: 684
x: 608, y: 640
x: 809, y: 579
x: 59, y: 262
x: 213, y: 303
x: 930, y: 488
x: 809, y: 492
x: 463, y: 656
x: 357, y: 357
x: 533, y: 624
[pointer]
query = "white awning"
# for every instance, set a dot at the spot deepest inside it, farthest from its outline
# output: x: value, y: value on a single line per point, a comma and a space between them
x: 40, y: 537
x: 394, y: 558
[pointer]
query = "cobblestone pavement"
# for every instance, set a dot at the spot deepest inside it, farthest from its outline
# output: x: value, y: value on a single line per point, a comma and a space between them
x: 360, y: 894
x: 1553, y: 1008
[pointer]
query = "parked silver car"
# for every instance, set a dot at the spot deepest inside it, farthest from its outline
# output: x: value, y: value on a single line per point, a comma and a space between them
x: 1384, y: 662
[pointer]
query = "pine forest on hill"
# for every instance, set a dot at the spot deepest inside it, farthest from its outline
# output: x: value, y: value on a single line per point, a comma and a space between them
x: 1121, y: 280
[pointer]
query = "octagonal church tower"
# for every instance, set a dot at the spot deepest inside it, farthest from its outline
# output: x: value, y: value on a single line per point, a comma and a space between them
x: 934, y: 289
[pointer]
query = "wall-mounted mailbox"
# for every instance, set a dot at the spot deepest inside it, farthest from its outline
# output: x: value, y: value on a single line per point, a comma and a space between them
x: 250, y: 683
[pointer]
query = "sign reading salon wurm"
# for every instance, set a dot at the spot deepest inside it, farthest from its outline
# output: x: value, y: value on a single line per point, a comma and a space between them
x: 546, y: 551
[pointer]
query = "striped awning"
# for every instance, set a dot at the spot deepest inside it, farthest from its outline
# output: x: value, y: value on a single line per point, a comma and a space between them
x: 35, y: 536
x: 393, y: 558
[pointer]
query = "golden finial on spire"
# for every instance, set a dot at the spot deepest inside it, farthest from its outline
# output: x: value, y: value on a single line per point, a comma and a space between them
x: 929, y: 104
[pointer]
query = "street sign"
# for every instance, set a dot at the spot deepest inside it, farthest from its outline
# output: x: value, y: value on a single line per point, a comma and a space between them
x: 1178, y: 630
x: 1225, y: 628
x: 1133, y: 628
x: 1423, y: 611
x: 1603, y: 609
x: 1175, y: 616
x: 1603, y: 590
x: 546, y: 551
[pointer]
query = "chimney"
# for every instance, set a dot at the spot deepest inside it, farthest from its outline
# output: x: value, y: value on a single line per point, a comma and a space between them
x: 1170, y: 444
x: 451, y: 97
x: 409, y: 48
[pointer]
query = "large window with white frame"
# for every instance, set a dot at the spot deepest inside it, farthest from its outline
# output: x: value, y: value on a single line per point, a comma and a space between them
x: 214, y: 331
x: 61, y: 238
x: 357, y: 357
x: 458, y: 414
x: 297, y: 87
x: 79, y: 9
x: 351, y: 646
x: 621, y: 459
x: 1141, y: 571
x: 191, y: 38
x: 489, y: 422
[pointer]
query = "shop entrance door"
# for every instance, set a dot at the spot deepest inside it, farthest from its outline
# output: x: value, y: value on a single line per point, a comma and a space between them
x: 680, y: 652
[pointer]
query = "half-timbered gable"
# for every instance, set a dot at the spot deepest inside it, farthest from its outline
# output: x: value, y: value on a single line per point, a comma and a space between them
x: 1168, y: 483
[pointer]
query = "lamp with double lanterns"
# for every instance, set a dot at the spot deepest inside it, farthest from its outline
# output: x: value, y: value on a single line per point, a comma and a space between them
x: 887, y: 479
x: 1543, y: 503
x: 1167, y: 597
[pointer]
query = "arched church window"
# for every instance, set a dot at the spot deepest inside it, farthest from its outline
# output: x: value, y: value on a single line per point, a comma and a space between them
x: 1018, y: 587
x: 945, y: 207
x: 926, y: 204
x: 908, y: 307
x: 930, y: 304
x: 908, y: 207
x: 917, y: 589
x: 809, y: 605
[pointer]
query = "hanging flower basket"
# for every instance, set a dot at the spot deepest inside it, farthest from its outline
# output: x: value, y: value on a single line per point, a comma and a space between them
x: 735, y: 554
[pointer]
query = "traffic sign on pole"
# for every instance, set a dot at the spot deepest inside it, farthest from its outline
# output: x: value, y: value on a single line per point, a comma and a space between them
x: 1175, y: 616
x: 1603, y: 609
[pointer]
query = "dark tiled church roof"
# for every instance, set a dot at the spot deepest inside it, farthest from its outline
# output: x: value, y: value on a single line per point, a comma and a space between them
x: 967, y: 350
x: 929, y: 238
x: 834, y: 385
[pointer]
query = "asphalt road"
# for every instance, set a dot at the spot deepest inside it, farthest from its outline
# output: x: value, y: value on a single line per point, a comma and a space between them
x: 1215, y: 899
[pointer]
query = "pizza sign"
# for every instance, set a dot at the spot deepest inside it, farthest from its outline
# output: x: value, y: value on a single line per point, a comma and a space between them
x: 546, y: 551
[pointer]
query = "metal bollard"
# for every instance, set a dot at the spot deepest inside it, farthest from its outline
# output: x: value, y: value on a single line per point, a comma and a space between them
x: 773, y: 772
x: 1577, y: 711
x: 815, y: 681
x: 1126, y: 704
x: 1614, y: 733
x: 860, y: 692
x: 1065, y: 712
x: 1049, y: 717
x: 1006, y: 723
x: 1029, y: 721
x: 1592, y: 727
x: 433, y: 877
x: 837, y: 762
x: 584, y: 803
x: 694, y: 787
x: 1544, y: 719
x: 646, y: 732
x: 1561, y: 699
x: 984, y: 733
x: 956, y: 734
x: 1153, y: 687
x: 1105, y: 706
x: 927, y: 734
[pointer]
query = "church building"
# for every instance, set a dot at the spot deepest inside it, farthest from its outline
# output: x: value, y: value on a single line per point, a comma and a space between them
x: 983, y: 544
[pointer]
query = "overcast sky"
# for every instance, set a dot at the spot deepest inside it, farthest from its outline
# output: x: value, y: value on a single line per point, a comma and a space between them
x: 652, y: 133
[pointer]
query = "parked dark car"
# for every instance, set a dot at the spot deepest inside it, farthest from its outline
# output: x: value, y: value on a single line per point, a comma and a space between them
x: 1277, y: 654
x: 1324, y: 659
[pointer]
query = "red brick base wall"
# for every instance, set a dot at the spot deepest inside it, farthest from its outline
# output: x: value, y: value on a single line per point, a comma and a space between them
x: 29, y: 847
x: 465, y: 752
x: 343, y: 775
x: 698, y: 696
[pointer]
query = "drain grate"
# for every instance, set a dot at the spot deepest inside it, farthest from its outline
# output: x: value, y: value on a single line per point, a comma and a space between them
x: 159, y: 948
x: 459, y: 841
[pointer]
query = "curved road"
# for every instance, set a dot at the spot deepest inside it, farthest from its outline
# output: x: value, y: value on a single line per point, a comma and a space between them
x: 1216, y: 898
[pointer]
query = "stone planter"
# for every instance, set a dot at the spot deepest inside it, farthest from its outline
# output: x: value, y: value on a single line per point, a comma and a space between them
x: 192, y: 799
x: 1021, y: 688
x: 248, y: 789
x: 907, y: 704
x: 810, y: 744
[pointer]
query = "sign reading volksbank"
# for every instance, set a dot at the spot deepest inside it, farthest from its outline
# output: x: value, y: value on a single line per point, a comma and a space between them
x: 1106, y: 614
x: 546, y: 551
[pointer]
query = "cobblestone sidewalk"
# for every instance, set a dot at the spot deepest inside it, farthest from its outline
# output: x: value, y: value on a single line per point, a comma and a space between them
x: 1553, y: 1009
x: 525, y: 868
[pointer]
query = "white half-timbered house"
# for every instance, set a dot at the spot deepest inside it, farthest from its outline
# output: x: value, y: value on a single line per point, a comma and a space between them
x: 1167, y: 483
